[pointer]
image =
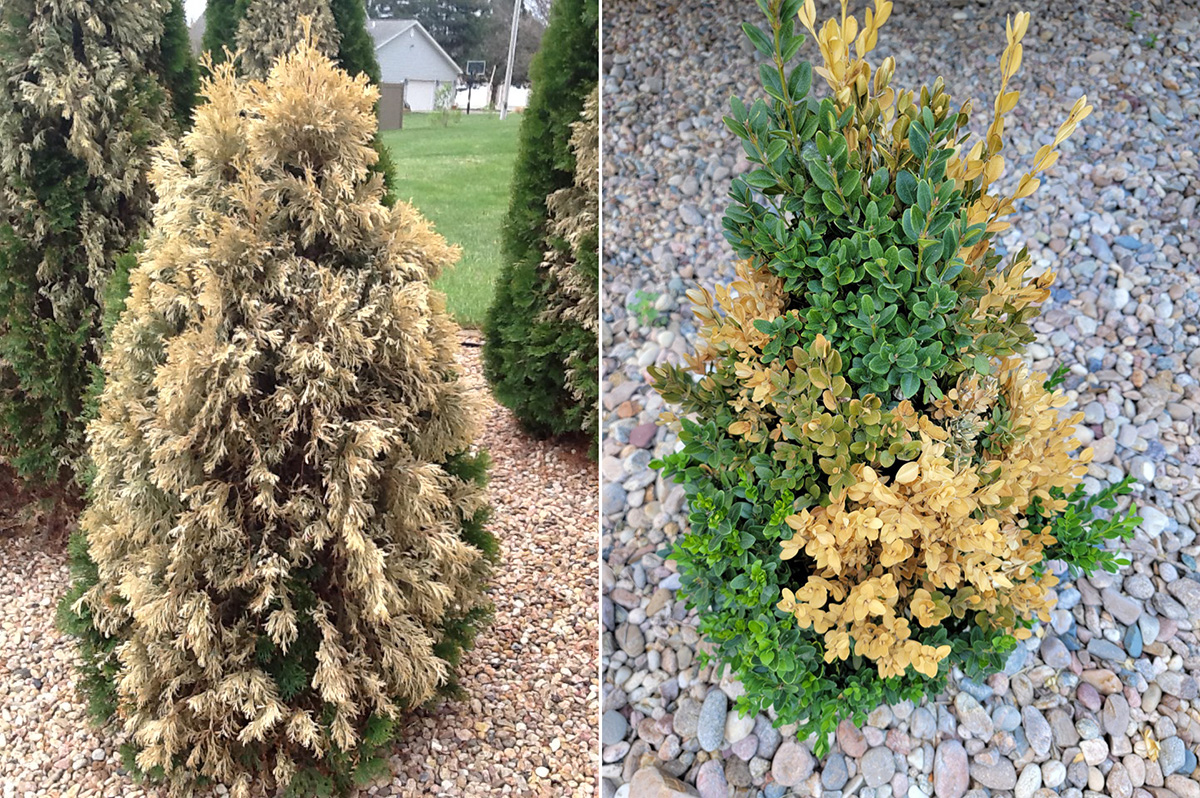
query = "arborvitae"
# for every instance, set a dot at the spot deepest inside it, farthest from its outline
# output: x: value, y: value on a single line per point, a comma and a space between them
x: 177, y: 65
x: 526, y: 352
x: 73, y: 196
x: 220, y: 27
x: 271, y: 28
x: 285, y: 526
x: 356, y: 50
x: 573, y: 261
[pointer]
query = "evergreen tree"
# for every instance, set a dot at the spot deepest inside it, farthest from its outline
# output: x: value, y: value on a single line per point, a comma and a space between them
x: 221, y: 19
x: 271, y: 28
x: 284, y: 547
x: 177, y: 65
x: 356, y: 52
x: 525, y: 352
x: 79, y: 111
x: 572, y: 264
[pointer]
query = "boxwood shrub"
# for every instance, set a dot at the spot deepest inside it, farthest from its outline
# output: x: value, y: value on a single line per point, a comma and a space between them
x: 877, y: 482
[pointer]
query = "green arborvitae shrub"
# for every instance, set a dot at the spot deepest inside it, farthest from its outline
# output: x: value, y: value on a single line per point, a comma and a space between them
x: 876, y: 482
x: 356, y: 50
x: 177, y: 65
x: 284, y: 546
x: 526, y: 351
x: 572, y: 262
x: 221, y: 19
x: 73, y: 197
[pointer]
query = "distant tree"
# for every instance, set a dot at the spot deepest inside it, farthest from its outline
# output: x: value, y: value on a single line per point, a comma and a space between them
x: 220, y: 27
x: 177, y: 65
x: 527, y: 350
x: 459, y: 26
x: 356, y: 52
x: 494, y: 49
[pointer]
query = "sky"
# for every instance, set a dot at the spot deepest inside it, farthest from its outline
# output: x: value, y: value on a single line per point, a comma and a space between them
x: 193, y: 9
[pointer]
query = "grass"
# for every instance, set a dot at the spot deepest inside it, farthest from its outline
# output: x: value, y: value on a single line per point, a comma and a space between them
x: 458, y: 176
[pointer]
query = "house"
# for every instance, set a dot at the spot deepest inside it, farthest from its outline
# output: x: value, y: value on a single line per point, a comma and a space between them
x: 409, y: 58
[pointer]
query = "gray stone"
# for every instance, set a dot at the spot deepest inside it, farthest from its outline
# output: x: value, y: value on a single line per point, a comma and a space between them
x: 1177, y: 684
x: 1171, y: 752
x: 922, y: 725
x: 1102, y: 649
x: 1029, y: 782
x: 993, y: 770
x: 1122, y: 607
x: 631, y: 640
x: 973, y: 716
x: 613, y: 727
x: 1054, y: 653
x: 878, y: 766
x: 1037, y: 731
x: 1115, y: 715
x: 768, y: 737
x: 711, y: 728
x: 835, y: 775
x: 687, y: 718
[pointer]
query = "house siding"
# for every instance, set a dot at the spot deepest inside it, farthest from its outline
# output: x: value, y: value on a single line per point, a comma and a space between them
x: 411, y: 56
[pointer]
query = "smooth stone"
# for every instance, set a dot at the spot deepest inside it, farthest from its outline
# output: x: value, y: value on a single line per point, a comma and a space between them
x: 1177, y: 684
x: 737, y: 728
x: 1104, y: 680
x: 993, y: 770
x: 613, y: 727
x: 1103, y: 649
x: 922, y: 725
x: 650, y: 782
x: 1170, y: 755
x: 951, y: 775
x: 1054, y: 653
x: 835, y: 774
x: 1037, y: 731
x: 878, y: 766
x: 687, y: 718
x: 1094, y: 751
x: 1133, y: 641
x: 851, y: 739
x: 793, y: 764
x: 710, y: 780
x: 973, y: 716
x: 1116, y: 714
x: 1122, y: 607
x: 711, y: 728
x: 1029, y: 782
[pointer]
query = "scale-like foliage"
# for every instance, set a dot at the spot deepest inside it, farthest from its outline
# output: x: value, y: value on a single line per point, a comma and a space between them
x: 79, y: 110
x: 573, y: 261
x: 525, y: 351
x: 177, y: 65
x: 876, y: 481
x: 272, y: 28
x: 284, y: 542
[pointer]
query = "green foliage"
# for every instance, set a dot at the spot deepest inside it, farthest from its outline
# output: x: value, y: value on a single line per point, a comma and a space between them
x: 177, y: 65
x: 643, y: 308
x: 526, y: 351
x: 356, y: 50
x: 221, y: 18
x: 1082, y: 535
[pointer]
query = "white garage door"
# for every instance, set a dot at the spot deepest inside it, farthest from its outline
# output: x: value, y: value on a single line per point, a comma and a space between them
x: 419, y: 94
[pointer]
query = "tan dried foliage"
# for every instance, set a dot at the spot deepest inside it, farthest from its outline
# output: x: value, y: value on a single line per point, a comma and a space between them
x: 281, y: 394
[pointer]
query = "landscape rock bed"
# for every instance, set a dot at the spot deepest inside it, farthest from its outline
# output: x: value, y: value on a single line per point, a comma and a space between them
x: 1104, y: 698
x: 527, y: 727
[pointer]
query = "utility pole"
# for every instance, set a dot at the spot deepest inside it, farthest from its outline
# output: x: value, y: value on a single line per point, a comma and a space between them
x: 512, y: 52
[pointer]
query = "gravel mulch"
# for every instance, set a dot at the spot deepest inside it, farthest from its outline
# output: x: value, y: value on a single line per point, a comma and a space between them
x: 1104, y: 700
x: 526, y: 729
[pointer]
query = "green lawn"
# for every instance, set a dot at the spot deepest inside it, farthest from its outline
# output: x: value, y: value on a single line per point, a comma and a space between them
x: 458, y: 177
